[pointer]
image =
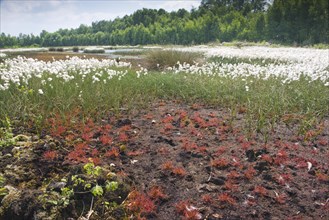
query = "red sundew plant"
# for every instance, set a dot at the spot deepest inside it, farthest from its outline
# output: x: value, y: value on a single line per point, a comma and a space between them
x: 267, y: 158
x: 57, y: 126
x: 229, y: 185
x: 282, y: 153
x: 322, y: 177
x: 182, y: 114
x: 106, y: 128
x: 140, y: 203
x: 300, y: 162
x: 79, y: 153
x: 323, y: 142
x: 245, y: 145
x: 280, y: 198
x: 168, y: 127
x: 187, y: 146
x: 207, y: 199
x: 188, y: 211
x: 202, y: 150
x: 260, y: 190
x: 233, y: 175
x: 310, y: 134
x: 281, y: 157
x: 113, y: 152
x: 87, y: 136
x: 135, y: 153
x: 220, y: 151
x: 219, y: 163
x: 226, y: 198
x: 167, y: 166
x: 125, y: 128
x: 179, y: 171
x: 70, y: 137
x: 168, y: 119
x: 250, y: 173
x: 94, y: 152
x: 96, y: 161
x: 122, y: 174
x: 213, y: 122
x: 58, y: 131
x: 105, y: 139
x: 50, y: 155
x: 199, y: 121
x: 123, y: 137
x: 157, y: 193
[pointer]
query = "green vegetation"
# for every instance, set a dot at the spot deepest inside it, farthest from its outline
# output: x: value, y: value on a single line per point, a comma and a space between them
x: 6, y: 133
x: 161, y: 59
x: 53, y: 201
x: 301, y: 22
x: 94, y: 50
x: 268, y: 98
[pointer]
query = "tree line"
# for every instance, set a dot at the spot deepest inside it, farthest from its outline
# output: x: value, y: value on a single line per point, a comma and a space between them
x: 303, y: 22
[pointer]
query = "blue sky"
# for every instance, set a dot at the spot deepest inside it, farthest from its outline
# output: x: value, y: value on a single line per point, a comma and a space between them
x: 33, y: 16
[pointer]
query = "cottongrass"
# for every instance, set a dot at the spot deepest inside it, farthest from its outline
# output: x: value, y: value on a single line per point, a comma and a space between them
x: 21, y: 70
x: 289, y: 64
x: 267, y: 85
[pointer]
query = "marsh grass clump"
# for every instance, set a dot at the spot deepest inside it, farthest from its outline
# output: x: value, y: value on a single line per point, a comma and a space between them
x: 161, y: 59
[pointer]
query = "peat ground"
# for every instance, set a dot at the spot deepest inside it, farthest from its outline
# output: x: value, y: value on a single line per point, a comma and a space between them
x: 171, y: 161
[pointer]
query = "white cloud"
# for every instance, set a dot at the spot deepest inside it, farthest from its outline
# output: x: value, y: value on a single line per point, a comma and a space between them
x: 169, y: 5
x: 33, y: 16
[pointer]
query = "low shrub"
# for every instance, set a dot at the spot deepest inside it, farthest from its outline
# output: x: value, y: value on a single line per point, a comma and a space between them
x: 60, y: 49
x: 52, y: 49
x: 75, y: 49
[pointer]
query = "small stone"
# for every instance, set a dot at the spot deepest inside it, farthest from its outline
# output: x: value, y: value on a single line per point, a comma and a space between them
x: 56, y: 186
x: 218, y: 180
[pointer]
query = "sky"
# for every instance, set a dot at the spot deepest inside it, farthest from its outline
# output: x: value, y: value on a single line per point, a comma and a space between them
x: 33, y: 16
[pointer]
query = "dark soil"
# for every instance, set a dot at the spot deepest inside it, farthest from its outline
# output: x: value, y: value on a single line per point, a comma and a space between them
x: 173, y: 161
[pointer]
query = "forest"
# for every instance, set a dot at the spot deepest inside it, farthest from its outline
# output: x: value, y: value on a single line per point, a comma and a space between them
x: 301, y: 22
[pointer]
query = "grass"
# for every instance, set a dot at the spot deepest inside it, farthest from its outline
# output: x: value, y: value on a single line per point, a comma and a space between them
x: 265, y: 102
x: 161, y: 59
x: 133, y: 52
x: 253, y: 61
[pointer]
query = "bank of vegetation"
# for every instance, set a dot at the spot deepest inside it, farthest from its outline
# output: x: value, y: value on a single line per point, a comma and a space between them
x: 300, y: 22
